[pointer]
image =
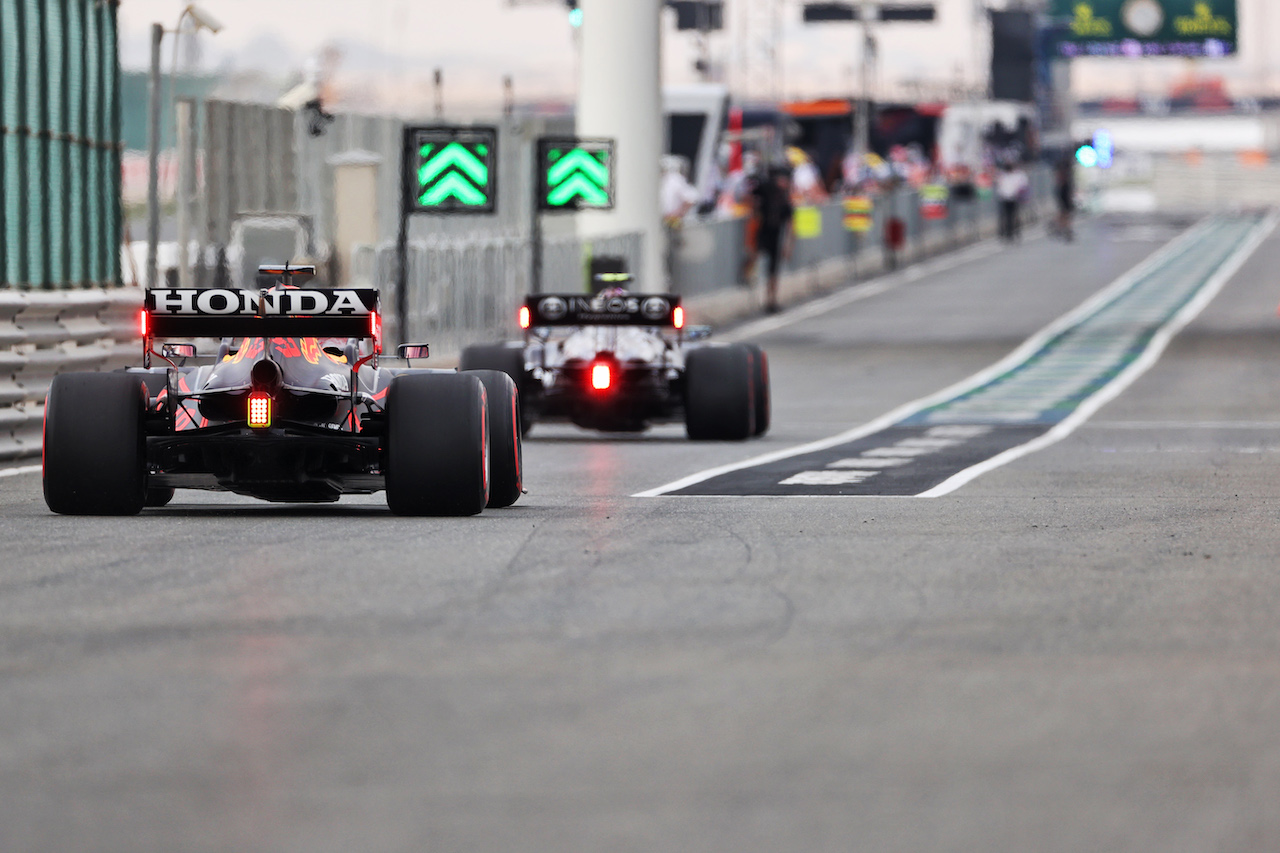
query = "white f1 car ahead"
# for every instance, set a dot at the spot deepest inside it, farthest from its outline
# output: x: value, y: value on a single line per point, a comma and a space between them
x: 620, y: 361
x: 294, y: 407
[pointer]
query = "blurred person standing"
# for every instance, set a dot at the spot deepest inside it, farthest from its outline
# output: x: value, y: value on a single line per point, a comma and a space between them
x: 677, y: 197
x: 1011, y: 186
x: 1064, y: 190
x: 744, y: 188
x: 774, y: 212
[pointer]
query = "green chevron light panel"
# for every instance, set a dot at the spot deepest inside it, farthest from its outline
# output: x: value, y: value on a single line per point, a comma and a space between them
x: 575, y: 174
x: 451, y: 169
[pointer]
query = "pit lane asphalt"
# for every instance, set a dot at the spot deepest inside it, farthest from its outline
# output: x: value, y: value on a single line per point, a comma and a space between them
x: 1075, y: 651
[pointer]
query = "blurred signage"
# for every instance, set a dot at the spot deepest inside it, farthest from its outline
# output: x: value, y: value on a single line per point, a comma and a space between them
x: 701, y: 15
x: 933, y: 201
x: 450, y: 169
x: 857, y: 213
x: 851, y: 11
x: 1137, y: 28
x: 1013, y: 56
x: 575, y: 174
x: 808, y: 222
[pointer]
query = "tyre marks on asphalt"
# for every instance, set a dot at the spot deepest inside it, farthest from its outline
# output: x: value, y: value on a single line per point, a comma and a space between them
x: 1036, y: 396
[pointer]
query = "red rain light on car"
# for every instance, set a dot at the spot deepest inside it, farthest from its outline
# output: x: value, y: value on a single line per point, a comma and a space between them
x: 259, y: 410
x: 677, y: 317
x: 524, y: 316
x: 144, y: 322
x: 601, y: 376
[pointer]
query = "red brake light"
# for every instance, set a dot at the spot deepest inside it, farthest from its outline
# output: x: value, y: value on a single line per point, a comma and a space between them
x: 601, y: 376
x: 524, y: 316
x: 145, y: 323
x: 259, y: 410
x: 677, y: 317
x: 375, y: 330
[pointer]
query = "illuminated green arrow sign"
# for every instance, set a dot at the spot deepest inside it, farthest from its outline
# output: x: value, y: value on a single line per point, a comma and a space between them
x: 450, y: 170
x: 575, y: 174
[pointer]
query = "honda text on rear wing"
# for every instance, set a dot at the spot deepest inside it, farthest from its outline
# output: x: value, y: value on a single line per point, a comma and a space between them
x: 268, y: 313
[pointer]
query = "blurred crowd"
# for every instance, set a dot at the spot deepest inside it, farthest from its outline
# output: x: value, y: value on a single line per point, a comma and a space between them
x: 729, y: 191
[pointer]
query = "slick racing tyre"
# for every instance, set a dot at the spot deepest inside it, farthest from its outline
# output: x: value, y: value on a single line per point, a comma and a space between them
x: 506, y: 447
x: 437, y: 445
x: 719, y: 404
x: 760, y: 388
x: 95, y: 444
x: 510, y: 360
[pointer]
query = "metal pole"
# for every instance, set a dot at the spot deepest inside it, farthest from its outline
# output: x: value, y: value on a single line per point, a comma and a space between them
x: 402, y: 243
x: 864, y: 109
x: 535, y: 225
x: 535, y: 249
x: 186, y: 143
x: 153, y: 156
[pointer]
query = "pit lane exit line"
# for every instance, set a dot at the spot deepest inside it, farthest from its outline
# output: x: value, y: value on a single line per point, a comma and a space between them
x: 916, y: 428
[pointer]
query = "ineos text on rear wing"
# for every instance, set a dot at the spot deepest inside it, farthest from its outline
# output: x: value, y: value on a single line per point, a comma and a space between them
x: 576, y: 309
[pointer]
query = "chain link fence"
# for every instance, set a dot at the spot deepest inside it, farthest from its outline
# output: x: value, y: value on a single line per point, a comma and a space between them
x: 59, y: 144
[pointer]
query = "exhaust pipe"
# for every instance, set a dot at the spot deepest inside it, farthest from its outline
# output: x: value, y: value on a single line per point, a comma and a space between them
x: 266, y: 376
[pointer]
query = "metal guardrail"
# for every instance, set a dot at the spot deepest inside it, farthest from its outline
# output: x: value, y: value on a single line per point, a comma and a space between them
x: 44, y: 333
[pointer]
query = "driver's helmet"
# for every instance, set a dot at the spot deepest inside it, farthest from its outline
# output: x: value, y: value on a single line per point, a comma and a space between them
x: 610, y: 292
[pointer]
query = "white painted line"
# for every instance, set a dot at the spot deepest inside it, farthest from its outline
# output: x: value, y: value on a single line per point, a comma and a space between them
x: 1126, y: 377
x: 14, y: 472
x: 1155, y: 425
x: 857, y: 293
x: 1028, y: 348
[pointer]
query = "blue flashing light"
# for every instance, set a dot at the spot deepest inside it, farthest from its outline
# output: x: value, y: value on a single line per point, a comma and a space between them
x: 575, y: 17
x: 1087, y: 156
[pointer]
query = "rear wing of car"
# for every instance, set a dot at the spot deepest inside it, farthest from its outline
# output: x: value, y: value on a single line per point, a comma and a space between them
x: 579, y: 309
x: 290, y: 312
x: 189, y: 312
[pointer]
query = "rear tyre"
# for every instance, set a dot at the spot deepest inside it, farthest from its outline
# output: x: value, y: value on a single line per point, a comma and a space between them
x: 760, y: 388
x: 719, y: 403
x: 95, y: 444
x: 506, y: 448
x: 436, y: 457
x: 509, y: 360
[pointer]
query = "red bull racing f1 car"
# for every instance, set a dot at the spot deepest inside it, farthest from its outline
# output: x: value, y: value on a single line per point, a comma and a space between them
x: 295, y: 406
x: 620, y: 361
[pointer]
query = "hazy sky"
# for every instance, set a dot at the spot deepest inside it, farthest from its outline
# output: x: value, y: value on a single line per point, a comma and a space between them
x: 476, y: 42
